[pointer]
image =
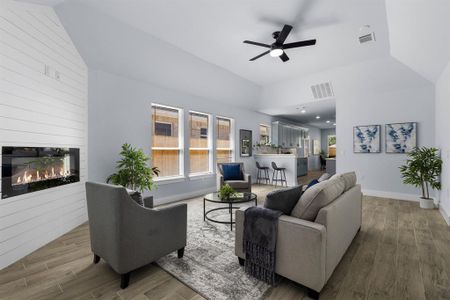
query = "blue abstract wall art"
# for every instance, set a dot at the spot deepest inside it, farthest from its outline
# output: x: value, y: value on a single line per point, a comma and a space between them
x: 401, y: 137
x: 367, y: 139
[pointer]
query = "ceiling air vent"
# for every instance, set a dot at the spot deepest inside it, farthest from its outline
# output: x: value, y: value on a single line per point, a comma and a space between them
x: 367, y: 38
x: 366, y: 34
x: 322, y: 90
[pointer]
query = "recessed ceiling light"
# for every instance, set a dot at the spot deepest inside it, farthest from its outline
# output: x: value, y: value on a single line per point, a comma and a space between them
x: 328, y: 121
x: 317, y: 117
x: 303, y: 110
x: 334, y: 124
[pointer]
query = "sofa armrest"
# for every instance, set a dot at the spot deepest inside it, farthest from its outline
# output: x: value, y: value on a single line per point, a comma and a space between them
x: 247, y: 178
x: 301, y: 248
x: 219, y: 181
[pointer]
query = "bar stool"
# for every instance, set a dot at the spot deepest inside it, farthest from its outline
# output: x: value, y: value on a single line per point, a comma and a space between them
x: 277, y: 170
x: 263, y: 174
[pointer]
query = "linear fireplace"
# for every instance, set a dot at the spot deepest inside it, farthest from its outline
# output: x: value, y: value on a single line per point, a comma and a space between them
x: 30, y: 169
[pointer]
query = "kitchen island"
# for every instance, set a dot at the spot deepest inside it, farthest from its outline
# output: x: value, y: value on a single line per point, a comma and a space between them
x: 295, y: 166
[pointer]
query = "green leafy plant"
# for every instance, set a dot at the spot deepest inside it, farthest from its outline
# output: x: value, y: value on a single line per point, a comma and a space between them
x: 226, y: 191
x: 423, y: 168
x: 133, y: 171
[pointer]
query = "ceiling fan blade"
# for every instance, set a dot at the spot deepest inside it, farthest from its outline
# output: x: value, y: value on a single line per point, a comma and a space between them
x: 284, y: 57
x: 284, y: 34
x: 257, y: 44
x: 258, y: 56
x: 299, y: 44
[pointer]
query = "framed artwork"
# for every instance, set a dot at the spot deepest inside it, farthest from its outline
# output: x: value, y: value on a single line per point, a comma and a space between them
x: 367, y: 139
x: 245, y: 142
x: 401, y: 137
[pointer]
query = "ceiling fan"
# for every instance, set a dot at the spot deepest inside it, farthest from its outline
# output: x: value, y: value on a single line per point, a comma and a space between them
x: 278, y: 47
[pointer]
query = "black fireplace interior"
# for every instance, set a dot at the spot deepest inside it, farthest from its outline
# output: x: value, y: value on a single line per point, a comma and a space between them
x: 30, y: 169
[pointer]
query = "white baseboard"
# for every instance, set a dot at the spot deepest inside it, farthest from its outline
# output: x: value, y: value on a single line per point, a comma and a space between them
x: 391, y: 195
x: 445, y: 215
x: 183, y: 196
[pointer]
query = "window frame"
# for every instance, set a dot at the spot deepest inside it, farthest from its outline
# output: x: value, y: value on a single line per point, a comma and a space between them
x: 232, y: 138
x: 209, y: 147
x: 180, y: 147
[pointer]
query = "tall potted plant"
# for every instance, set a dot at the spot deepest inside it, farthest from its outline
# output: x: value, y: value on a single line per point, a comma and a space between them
x: 423, y: 168
x: 133, y: 170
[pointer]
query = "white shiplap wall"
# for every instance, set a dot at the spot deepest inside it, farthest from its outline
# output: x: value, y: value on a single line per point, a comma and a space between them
x: 38, y: 110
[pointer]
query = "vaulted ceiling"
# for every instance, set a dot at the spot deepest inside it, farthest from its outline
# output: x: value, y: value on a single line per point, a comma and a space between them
x: 197, y: 45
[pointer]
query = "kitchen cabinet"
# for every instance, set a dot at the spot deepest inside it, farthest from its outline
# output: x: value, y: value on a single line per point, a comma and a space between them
x: 302, y: 166
x: 287, y: 135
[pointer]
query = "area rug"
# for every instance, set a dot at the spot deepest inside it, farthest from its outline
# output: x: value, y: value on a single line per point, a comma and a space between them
x: 209, y: 265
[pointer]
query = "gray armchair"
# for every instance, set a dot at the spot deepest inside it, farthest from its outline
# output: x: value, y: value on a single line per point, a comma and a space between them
x: 128, y: 236
x: 244, y: 185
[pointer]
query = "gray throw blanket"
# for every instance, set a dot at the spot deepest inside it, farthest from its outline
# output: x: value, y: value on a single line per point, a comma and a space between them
x: 260, y: 239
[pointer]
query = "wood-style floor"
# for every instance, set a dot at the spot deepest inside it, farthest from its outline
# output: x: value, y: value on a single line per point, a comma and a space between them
x: 401, y: 252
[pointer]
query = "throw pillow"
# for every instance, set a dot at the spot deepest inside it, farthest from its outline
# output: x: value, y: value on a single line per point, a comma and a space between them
x: 136, y: 196
x: 316, y: 197
x: 323, y: 177
x: 311, y: 183
x: 232, y: 172
x: 283, y: 200
x: 349, y: 179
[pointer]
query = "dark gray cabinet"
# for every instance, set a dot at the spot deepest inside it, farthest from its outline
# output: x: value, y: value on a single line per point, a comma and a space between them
x: 302, y: 166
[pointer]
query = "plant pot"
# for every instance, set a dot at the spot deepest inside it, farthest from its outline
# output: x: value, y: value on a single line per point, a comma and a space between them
x: 426, y: 203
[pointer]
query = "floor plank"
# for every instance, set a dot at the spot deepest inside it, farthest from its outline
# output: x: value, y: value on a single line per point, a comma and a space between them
x: 401, y: 252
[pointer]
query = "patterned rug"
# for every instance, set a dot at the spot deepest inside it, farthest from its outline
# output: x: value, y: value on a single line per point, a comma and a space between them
x: 209, y: 265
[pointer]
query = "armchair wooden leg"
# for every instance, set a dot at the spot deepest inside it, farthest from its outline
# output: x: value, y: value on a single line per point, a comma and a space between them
x: 124, y: 280
x: 241, y: 261
x: 180, y: 252
x: 96, y: 259
x: 313, y: 294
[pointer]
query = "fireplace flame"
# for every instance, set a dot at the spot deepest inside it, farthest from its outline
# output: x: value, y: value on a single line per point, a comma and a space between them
x: 28, y: 177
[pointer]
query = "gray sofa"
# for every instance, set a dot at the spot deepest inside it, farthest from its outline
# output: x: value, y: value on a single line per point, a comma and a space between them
x: 244, y: 185
x: 308, y: 251
x: 127, y: 235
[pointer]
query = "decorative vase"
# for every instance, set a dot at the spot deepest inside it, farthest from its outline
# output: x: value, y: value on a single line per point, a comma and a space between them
x: 426, y: 203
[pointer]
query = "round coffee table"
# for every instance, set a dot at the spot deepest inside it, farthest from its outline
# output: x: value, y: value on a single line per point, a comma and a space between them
x: 214, y: 197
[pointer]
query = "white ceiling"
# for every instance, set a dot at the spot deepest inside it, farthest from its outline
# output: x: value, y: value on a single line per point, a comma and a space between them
x: 214, y: 31
x: 326, y: 109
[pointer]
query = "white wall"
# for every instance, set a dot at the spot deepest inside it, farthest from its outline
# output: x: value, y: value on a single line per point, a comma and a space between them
x: 120, y: 111
x: 374, y: 92
x: 108, y: 44
x: 36, y: 110
x: 442, y: 137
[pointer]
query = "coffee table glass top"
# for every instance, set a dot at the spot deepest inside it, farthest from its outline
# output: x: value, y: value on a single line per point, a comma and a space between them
x: 238, y: 198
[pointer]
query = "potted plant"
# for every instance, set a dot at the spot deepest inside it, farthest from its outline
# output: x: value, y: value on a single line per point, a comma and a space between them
x: 226, y: 192
x: 133, y: 171
x: 423, y: 168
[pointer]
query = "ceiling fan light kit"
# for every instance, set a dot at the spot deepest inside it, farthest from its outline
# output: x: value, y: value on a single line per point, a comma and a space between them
x: 278, y: 47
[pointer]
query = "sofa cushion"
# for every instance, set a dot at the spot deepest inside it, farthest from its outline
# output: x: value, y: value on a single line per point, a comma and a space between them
x: 283, y: 200
x: 231, y: 172
x: 238, y: 184
x: 323, y: 177
x: 136, y: 196
x: 349, y: 179
x: 318, y: 196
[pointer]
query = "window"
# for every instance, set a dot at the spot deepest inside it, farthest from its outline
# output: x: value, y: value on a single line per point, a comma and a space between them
x: 200, y: 144
x: 167, y: 141
x: 164, y: 129
x: 264, y: 134
x: 224, y: 144
x: 331, y: 146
